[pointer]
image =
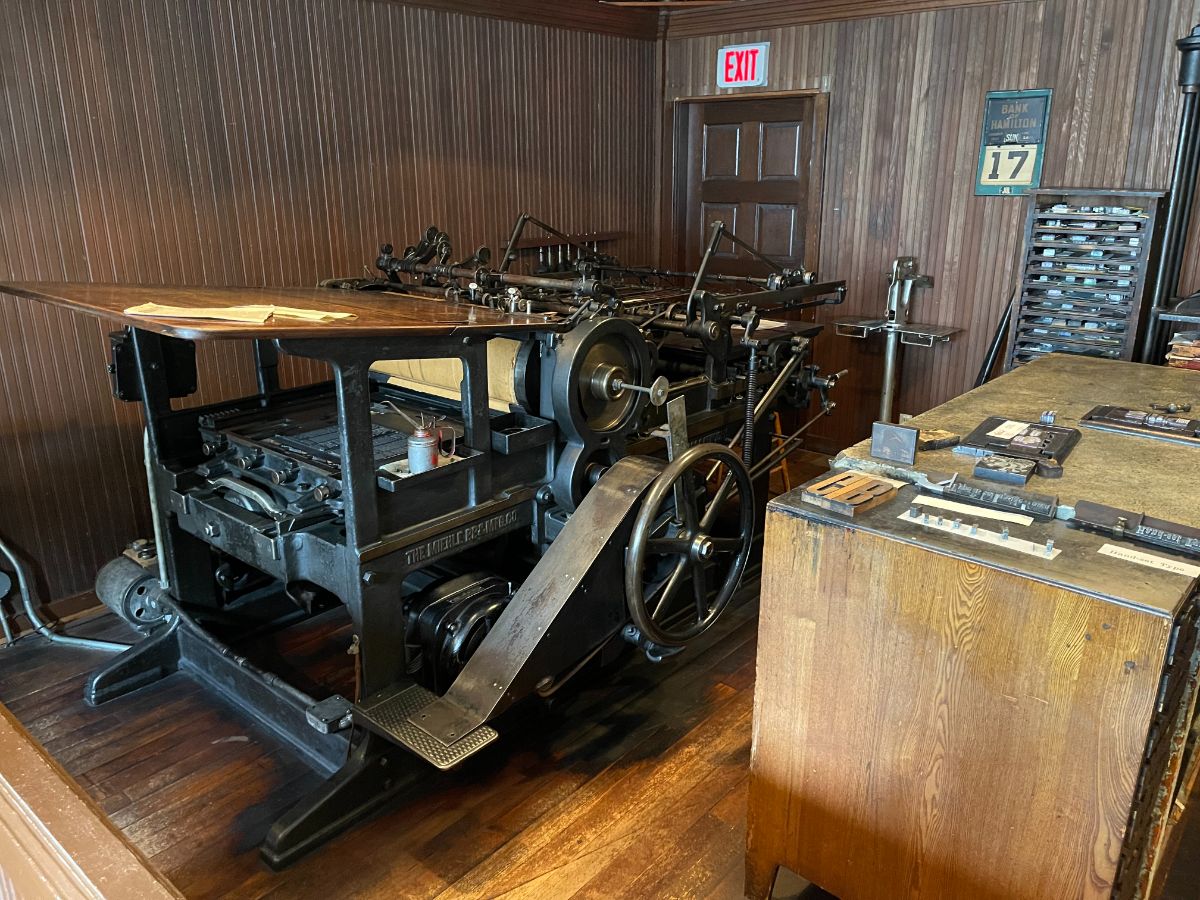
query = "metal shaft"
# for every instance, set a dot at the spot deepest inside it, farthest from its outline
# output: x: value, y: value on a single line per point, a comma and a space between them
x: 891, y: 353
x: 24, y: 587
x: 1183, y: 187
x: 1183, y: 183
x: 718, y: 228
x: 993, y: 351
x: 790, y: 445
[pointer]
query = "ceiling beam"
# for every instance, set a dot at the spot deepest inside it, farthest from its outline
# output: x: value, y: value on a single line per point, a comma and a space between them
x: 578, y: 15
x: 751, y: 15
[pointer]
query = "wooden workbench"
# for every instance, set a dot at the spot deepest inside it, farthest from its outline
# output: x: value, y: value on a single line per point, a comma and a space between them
x: 940, y: 717
x: 1098, y: 468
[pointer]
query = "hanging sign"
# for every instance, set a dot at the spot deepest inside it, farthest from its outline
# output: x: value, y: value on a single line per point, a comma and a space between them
x: 1014, y: 137
x: 742, y: 65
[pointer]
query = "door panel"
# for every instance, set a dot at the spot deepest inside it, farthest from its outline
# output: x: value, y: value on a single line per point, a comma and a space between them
x: 779, y: 150
x: 775, y: 230
x: 755, y: 165
x: 722, y: 144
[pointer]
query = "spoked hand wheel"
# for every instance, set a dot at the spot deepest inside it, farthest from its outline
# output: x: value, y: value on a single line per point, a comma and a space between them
x: 680, y: 535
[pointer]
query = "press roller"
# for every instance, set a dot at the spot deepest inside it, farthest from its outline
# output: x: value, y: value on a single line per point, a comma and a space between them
x: 443, y: 377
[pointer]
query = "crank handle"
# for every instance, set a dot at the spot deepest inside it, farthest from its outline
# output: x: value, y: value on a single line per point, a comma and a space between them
x: 657, y: 390
x: 827, y: 382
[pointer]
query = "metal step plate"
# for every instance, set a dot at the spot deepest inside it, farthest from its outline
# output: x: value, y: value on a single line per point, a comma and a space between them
x: 387, y: 714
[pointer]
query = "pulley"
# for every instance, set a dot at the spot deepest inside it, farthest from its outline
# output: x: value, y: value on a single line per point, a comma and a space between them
x: 594, y: 365
x: 131, y: 591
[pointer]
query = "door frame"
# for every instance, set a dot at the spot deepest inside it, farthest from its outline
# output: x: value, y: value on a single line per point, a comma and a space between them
x: 676, y: 125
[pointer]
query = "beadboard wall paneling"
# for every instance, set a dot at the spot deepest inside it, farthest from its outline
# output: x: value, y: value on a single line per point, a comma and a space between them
x: 585, y: 15
x: 905, y: 105
x: 782, y: 13
x: 263, y: 143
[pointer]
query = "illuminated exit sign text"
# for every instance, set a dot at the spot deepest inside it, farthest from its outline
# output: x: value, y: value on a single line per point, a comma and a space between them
x: 742, y: 65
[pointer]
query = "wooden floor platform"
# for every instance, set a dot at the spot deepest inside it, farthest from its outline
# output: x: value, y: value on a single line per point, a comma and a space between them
x: 634, y: 787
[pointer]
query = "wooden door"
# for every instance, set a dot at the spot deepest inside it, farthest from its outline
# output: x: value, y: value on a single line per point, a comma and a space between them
x: 756, y: 166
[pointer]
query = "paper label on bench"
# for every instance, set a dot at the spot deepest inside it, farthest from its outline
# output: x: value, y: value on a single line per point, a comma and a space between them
x: 977, y: 511
x: 1008, y: 430
x: 1174, y: 566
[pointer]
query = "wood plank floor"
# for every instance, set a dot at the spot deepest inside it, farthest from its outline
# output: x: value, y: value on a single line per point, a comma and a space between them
x: 634, y: 787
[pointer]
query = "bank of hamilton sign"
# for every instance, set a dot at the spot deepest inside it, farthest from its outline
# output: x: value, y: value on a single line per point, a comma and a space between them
x: 1013, y: 143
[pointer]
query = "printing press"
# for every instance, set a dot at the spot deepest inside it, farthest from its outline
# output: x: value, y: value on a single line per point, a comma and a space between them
x: 511, y: 477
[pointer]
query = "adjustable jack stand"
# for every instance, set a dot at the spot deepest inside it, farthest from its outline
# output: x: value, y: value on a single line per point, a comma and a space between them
x: 896, y: 327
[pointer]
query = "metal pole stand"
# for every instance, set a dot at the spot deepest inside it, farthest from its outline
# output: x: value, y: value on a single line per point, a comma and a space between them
x: 1164, y: 304
x: 896, y: 327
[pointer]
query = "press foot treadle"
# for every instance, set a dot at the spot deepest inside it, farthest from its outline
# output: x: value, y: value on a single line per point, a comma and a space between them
x: 387, y: 714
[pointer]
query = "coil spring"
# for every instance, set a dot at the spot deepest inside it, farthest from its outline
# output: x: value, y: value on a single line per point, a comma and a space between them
x: 751, y: 399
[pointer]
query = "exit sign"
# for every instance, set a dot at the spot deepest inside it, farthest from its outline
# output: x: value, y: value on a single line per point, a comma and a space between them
x: 742, y: 65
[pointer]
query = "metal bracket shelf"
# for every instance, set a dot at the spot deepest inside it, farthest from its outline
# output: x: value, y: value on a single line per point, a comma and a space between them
x: 914, y: 335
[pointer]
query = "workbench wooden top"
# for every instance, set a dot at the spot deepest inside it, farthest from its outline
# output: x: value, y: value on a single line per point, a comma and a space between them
x: 1131, y: 472
x: 377, y: 314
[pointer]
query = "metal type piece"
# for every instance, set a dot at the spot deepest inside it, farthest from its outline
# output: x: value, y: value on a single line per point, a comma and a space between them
x: 1138, y: 527
x: 1164, y: 426
x: 1002, y: 539
x: 895, y: 443
x: 1005, y: 469
x: 1047, y: 445
x: 1041, y: 506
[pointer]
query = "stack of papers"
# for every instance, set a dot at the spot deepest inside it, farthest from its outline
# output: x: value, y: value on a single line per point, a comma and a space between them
x: 249, y: 315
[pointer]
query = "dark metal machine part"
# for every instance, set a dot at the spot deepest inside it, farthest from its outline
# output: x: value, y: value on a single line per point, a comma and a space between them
x: 1047, y: 445
x: 1158, y: 425
x: 486, y: 579
x: 1165, y: 305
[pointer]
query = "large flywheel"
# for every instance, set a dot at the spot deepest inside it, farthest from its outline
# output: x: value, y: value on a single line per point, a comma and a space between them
x: 695, y: 527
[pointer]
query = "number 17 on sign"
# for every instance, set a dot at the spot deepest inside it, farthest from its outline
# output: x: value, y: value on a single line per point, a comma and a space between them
x: 1009, y: 165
